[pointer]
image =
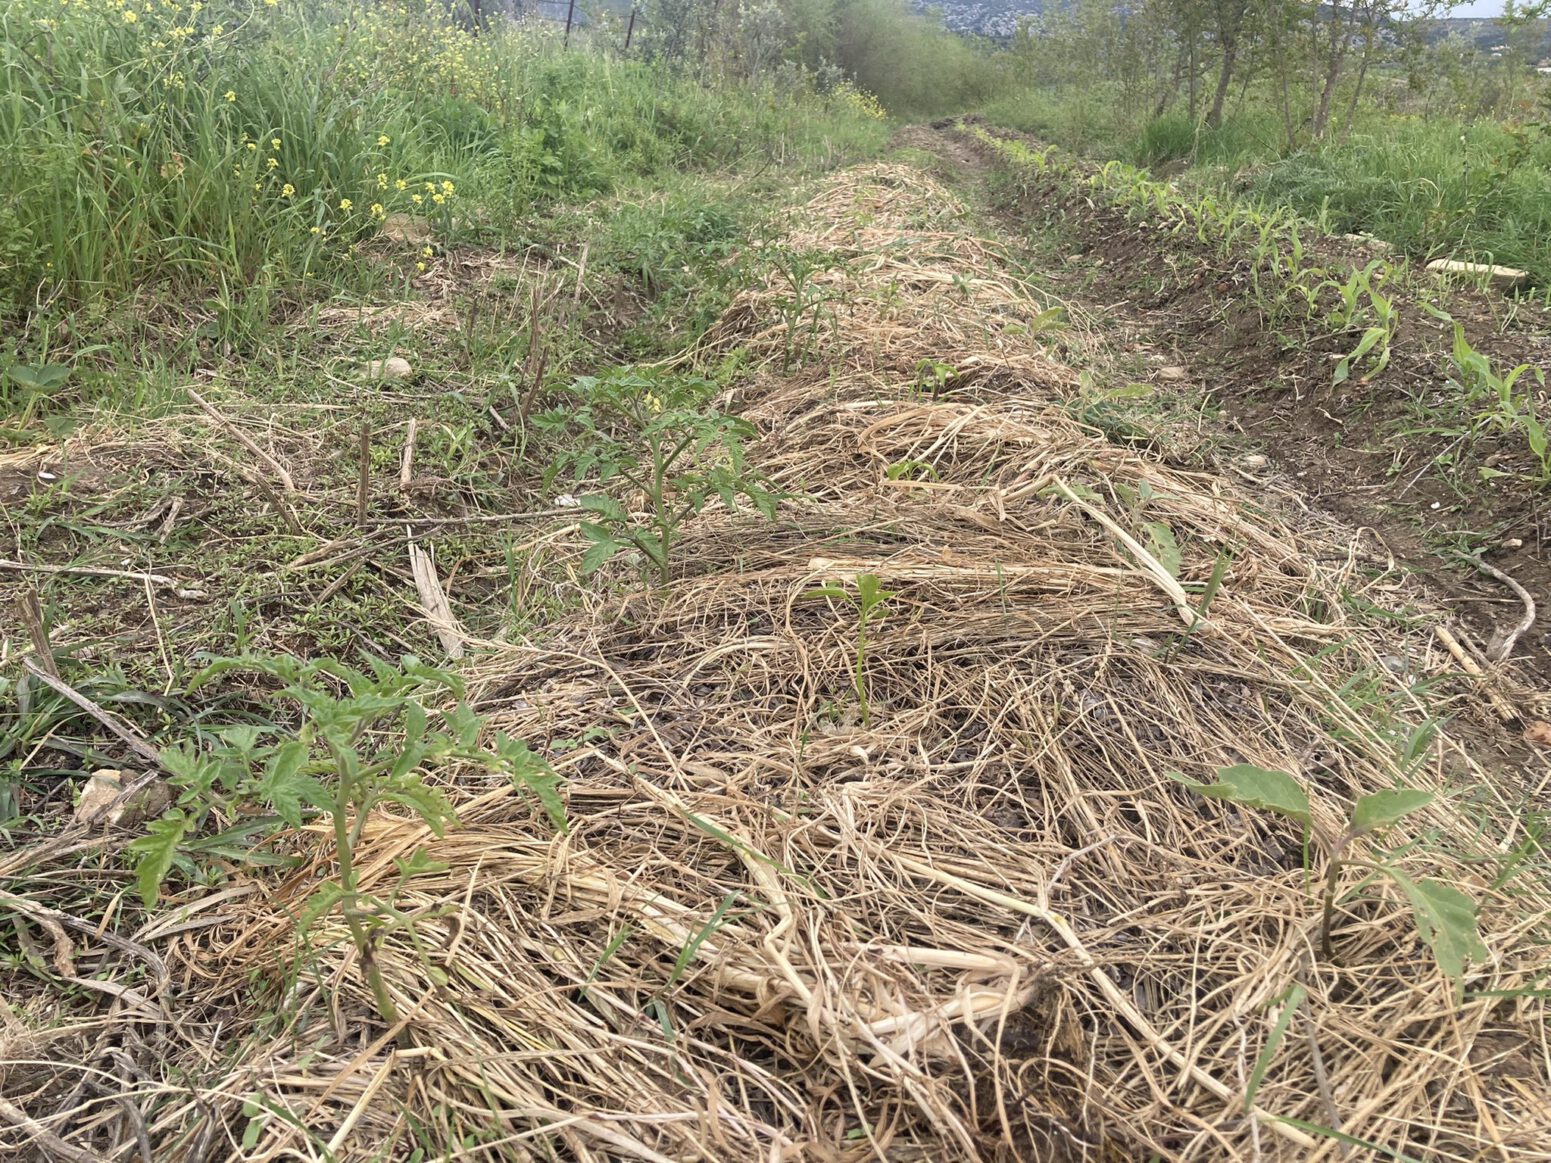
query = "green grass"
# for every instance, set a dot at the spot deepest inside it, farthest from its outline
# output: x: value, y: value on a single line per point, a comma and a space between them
x: 240, y: 158
x: 1435, y: 186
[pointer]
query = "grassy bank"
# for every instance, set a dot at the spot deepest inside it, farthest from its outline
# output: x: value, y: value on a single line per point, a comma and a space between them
x: 1434, y: 186
x: 229, y: 158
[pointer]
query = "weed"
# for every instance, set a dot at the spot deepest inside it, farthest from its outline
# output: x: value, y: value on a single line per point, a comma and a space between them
x: 1445, y: 917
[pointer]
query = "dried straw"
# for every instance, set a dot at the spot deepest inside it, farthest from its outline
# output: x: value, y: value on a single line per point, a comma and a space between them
x: 983, y: 925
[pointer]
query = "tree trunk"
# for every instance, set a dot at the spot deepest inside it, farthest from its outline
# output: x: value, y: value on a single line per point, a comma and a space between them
x: 1167, y: 93
x: 1224, y: 80
x: 1370, y: 41
x: 1195, y: 81
x: 1340, y: 45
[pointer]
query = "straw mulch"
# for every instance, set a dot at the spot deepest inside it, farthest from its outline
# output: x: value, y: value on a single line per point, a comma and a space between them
x: 983, y: 924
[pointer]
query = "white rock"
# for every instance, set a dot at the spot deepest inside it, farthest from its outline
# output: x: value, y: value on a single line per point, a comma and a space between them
x: 1254, y: 461
x: 392, y: 368
x: 1502, y: 278
x: 100, y: 791
x: 1171, y: 373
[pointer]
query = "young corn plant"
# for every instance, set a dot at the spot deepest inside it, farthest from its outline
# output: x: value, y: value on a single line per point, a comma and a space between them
x: 1500, y: 405
x: 869, y: 601
x: 1357, y: 297
x: 364, y: 741
x: 654, y: 432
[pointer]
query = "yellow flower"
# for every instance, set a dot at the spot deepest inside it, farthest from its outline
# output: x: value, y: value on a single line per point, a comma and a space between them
x: 316, y: 230
x: 401, y: 184
x: 420, y: 266
x: 274, y: 143
x: 378, y: 211
x: 430, y: 187
x: 287, y: 190
x: 383, y: 139
x: 129, y: 17
x: 438, y: 198
x: 273, y: 163
x: 447, y: 188
x: 416, y: 199
x: 382, y: 181
x: 346, y: 204
x: 216, y: 31
x: 427, y: 252
x: 252, y: 145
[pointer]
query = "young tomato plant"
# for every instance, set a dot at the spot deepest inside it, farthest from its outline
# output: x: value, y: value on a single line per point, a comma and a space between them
x: 870, y: 602
x: 362, y: 741
x: 656, y: 433
x: 1445, y: 917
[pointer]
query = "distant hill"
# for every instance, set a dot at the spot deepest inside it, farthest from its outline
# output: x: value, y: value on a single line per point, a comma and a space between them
x: 993, y: 19
x: 999, y: 20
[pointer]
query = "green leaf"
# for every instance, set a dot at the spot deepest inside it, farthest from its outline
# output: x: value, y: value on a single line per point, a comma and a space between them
x: 419, y: 863
x: 156, y: 851
x: 40, y: 378
x: 532, y: 771
x: 1446, y: 920
x: 603, y: 547
x: 283, y: 784
x: 1384, y: 808
x: 1255, y: 787
x: 1291, y: 1000
x: 605, y: 507
x: 1127, y: 392
x: 1164, y: 547
x: 829, y: 591
x: 430, y: 805
x: 869, y: 588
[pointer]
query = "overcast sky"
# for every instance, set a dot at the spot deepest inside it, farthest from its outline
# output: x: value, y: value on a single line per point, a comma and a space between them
x: 1480, y: 8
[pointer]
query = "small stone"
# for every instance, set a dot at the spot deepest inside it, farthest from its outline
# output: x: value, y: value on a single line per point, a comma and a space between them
x: 104, y: 787
x: 401, y: 228
x: 1514, y: 543
x: 392, y: 368
x: 1171, y: 373
x: 1254, y: 461
x: 100, y: 791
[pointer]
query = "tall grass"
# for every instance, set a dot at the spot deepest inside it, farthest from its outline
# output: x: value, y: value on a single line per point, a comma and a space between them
x: 1432, y: 186
x: 187, y: 145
